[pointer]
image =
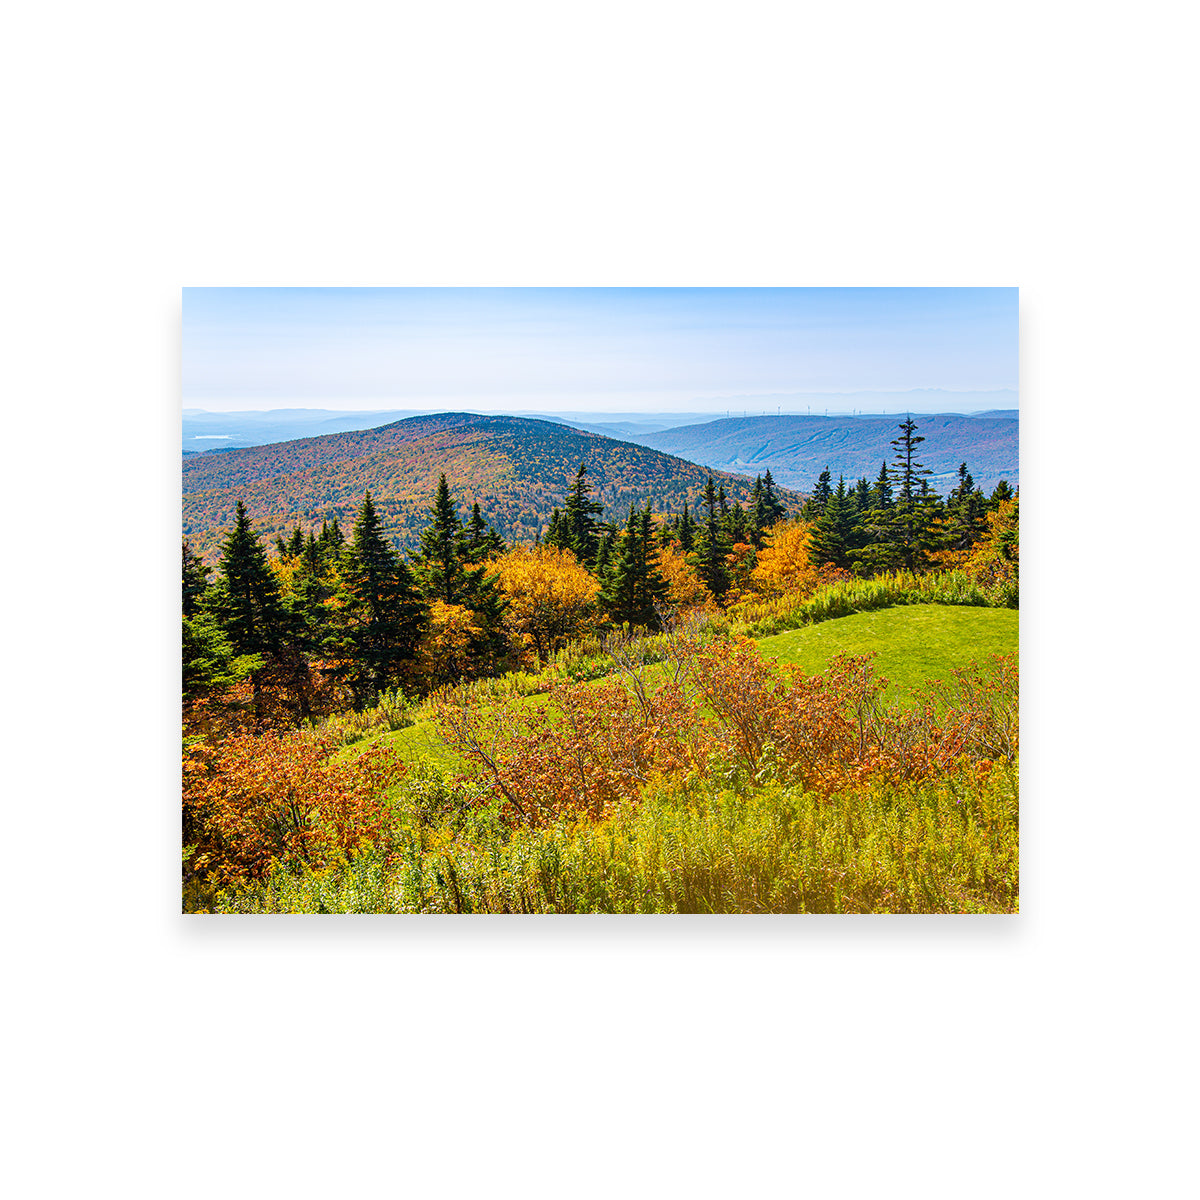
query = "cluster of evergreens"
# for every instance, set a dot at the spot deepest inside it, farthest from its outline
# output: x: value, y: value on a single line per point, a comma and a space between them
x: 357, y: 607
x: 897, y: 522
x: 625, y: 560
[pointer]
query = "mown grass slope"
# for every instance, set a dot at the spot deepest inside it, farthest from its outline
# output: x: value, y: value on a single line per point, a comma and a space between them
x: 914, y: 643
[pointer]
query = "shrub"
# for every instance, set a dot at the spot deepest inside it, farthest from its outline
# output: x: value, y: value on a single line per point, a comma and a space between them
x: 262, y: 798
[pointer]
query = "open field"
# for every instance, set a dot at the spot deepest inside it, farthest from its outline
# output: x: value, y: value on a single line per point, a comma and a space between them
x: 914, y: 643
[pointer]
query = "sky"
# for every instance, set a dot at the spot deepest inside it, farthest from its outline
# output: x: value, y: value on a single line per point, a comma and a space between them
x: 586, y: 349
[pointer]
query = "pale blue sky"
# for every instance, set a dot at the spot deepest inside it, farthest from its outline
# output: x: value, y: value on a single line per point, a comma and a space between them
x: 586, y: 349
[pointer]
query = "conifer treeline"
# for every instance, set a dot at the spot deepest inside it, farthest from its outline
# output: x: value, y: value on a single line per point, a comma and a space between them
x: 350, y: 614
x: 897, y: 521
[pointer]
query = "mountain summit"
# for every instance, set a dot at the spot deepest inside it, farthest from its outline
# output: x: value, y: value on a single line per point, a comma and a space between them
x: 516, y: 468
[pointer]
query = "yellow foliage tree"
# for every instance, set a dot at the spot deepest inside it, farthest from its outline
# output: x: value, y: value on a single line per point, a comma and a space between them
x: 783, y: 563
x: 995, y: 560
x: 443, y: 654
x: 687, y: 589
x: 551, y: 597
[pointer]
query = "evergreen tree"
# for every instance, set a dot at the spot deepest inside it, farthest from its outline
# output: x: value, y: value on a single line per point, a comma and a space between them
x: 296, y: 545
x: 814, y: 506
x: 578, y: 528
x: 737, y: 529
x: 911, y: 524
x: 633, y: 587
x: 862, y: 496
x: 775, y: 509
x: 330, y: 543
x: 835, y: 532
x: 881, y: 490
x: 440, y: 561
x: 966, y: 513
x: 209, y: 662
x: 1002, y: 492
x: 603, y: 562
x: 384, y: 612
x: 312, y: 590
x: 481, y: 539
x: 195, y: 581
x: 247, y: 600
x: 711, y: 548
x: 448, y: 573
x: 760, y: 518
x: 482, y: 594
x: 687, y: 531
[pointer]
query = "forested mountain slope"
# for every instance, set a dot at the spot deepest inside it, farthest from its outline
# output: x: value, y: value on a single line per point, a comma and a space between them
x: 796, y: 449
x: 517, y: 469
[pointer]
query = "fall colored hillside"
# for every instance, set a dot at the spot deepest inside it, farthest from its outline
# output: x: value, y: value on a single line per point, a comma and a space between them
x: 517, y: 469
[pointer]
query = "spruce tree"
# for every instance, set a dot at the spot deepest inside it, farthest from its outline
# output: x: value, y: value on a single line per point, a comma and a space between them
x: 448, y: 573
x: 814, y: 506
x: 579, y: 529
x: 862, y: 495
x: 965, y: 512
x: 384, y: 612
x: 633, y: 587
x: 775, y: 509
x: 195, y: 580
x: 737, y: 528
x: 881, y: 489
x: 687, y: 531
x: 760, y: 519
x: 911, y: 521
x: 1002, y: 492
x: 247, y: 601
x: 711, y: 548
x: 440, y: 561
x: 835, y: 532
x: 480, y: 538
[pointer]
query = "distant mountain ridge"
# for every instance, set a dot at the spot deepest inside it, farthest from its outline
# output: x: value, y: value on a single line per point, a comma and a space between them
x: 796, y: 449
x: 516, y: 468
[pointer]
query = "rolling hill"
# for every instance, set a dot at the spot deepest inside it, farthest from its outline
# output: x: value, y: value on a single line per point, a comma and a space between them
x: 518, y: 469
x: 796, y: 449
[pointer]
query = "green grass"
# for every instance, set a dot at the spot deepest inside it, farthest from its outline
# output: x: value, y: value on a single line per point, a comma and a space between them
x: 914, y: 643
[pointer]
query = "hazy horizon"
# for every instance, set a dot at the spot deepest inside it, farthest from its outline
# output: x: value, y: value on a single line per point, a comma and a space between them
x: 592, y: 350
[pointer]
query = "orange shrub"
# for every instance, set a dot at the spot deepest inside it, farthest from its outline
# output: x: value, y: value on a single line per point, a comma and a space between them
x: 586, y: 752
x: 261, y: 798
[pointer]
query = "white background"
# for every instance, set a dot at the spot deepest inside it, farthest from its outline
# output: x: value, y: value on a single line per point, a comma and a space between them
x: 152, y: 146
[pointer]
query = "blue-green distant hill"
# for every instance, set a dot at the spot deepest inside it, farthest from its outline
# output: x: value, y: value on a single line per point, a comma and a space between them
x: 796, y: 449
